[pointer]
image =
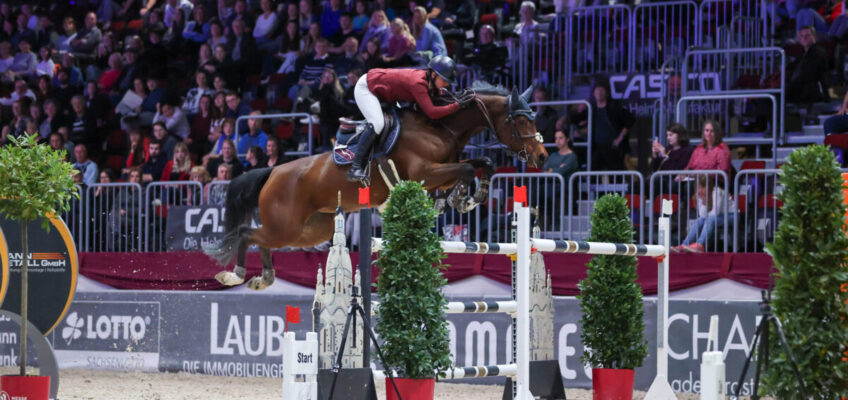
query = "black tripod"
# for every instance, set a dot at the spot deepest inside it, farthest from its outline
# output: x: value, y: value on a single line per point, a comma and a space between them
x: 763, y: 351
x: 351, y: 316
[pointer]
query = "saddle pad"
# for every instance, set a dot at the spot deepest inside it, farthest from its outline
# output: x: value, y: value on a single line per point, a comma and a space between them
x: 385, y: 143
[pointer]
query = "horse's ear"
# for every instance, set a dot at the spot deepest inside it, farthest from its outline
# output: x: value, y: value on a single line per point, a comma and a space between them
x: 528, y: 93
x: 514, y: 99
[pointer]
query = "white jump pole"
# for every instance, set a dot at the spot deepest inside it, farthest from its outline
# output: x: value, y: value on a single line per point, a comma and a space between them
x: 522, y: 298
x: 660, y: 389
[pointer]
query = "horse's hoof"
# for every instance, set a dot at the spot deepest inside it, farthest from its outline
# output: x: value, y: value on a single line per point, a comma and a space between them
x: 257, y: 283
x: 228, y: 278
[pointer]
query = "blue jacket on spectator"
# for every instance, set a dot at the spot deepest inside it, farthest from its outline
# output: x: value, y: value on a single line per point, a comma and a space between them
x: 190, y: 33
x: 247, y: 141
x: 431, y: 39
x: 149, y: 103
x: 243, y: 109
x: 75, y: 78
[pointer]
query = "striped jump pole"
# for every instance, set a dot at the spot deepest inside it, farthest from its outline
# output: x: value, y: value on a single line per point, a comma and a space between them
x: 509, y: 370
x: 545, y: 245
x: 471, y: 307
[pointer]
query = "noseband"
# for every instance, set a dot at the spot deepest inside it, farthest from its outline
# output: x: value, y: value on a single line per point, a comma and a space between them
x: 524, y: 153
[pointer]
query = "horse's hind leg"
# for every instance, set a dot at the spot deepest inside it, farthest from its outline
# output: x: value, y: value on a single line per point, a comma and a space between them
x: 267, y: 277
x: 236, y: 277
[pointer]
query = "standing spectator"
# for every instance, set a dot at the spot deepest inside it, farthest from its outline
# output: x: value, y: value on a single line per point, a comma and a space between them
x: 243, y: 49
x: 427, y: 36
x: 24, y: 64
x: 546, y: 117
x: 289, y: 47
x: 274, y: 152
x: 255, y: 158
x: 676, y: 156
x: 190, y: 105
x: 255, y: 136
x: 330, y: 18
x: 611, y: 124
x: 378, y: 27
x: 361, y: 18
x: 228, y: 157
x: 236, y: 108
x: 45, y: 66
x: 152, y: 168
x: 525, y: 28
x: 166, y: 141
x: 174, y: 119
x: 86, y: 167
x: 807, y: 81
x: 178, y: 168
x: 712, y: 153
x: 266, y: 25
x: 21, y: 91
x: 88, y: 38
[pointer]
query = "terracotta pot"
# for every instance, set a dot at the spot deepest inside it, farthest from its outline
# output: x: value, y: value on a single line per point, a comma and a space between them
x: 25, y: 387
x: 612, y: 384
x: 411, y: 389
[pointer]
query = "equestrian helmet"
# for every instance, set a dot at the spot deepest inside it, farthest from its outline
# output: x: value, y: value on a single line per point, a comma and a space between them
x: 445, y: 67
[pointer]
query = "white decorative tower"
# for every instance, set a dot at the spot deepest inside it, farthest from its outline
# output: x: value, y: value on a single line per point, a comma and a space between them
x: 332, y: 298
x: 541, y: 308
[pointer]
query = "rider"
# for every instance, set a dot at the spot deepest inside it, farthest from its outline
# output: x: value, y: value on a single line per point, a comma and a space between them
x: 389, y: 85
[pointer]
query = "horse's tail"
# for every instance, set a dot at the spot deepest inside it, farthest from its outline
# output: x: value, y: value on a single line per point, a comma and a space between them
x: 242, y: 200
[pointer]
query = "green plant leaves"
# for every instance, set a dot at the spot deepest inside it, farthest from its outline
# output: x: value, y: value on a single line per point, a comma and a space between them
x: 411, y: 319
x: 610, y: 298
x: 809, y: 252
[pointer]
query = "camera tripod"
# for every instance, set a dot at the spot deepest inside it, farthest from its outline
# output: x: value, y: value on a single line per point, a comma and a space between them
x: 763, y: 352
x: 356, y: 308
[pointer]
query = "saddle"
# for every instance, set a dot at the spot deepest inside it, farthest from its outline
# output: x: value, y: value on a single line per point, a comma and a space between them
x: 349, y: 133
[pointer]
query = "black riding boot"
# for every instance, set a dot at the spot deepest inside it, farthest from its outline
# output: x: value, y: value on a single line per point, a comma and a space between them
x: 363, y: 147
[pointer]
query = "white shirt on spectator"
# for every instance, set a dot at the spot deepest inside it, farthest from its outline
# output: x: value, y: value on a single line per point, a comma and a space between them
x: 24, y: 64
x: 45, y: 68
x: 7, y: 101
x: 264, y: 25
x: 718, y: 204
x: 88, y: 170
x: 190, y: 105
x: 177, y: 124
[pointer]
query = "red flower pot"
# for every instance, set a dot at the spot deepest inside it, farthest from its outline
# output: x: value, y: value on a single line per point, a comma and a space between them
x: 612, y: 384
x: 411, y: 389
x: 25, y: 387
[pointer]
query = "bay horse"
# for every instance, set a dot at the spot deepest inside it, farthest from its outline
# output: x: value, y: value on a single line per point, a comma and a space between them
x: 297, y: 200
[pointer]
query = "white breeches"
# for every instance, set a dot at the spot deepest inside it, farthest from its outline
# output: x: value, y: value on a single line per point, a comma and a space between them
x: 368, y: 104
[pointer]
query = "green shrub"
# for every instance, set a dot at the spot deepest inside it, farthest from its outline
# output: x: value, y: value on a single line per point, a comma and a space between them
x: 411, y: 318
x: 610, y: 298
x: 809, y: 252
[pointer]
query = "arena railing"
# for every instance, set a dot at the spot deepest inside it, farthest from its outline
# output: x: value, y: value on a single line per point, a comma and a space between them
x: 215, y: 193
x: 544, y: 189
x: 758, y: 209
x: 695, y: 120
x: 598, y: 41
x: 454, y: 226
x: 682, y: 188
x: 75, y: 218
x: 584, y: 188
x: 714, y: 14
x: 158, y: 196
x: 660, y: 31
x: 293, y: 116
x: 114, y: 217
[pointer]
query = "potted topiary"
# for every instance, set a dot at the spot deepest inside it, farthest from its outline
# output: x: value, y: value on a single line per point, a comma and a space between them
x: 35, y: 182
x: 611, y: 301
x: 411, y: 319
x: 809, y: 253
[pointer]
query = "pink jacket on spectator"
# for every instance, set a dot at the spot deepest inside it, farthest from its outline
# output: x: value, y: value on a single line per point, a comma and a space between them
x: 716, y: 158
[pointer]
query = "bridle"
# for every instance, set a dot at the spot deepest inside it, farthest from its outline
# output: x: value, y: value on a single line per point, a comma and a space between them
x: 524, y: 153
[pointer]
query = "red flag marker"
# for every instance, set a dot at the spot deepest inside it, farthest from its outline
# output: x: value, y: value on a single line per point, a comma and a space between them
x: 292, y: 316
x: 365, y: 196
x: 520, y: 194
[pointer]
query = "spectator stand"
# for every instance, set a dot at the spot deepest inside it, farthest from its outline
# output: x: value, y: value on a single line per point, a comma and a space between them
x: 584, y: 188
x: 661, y: 31
x: 299, y: 118
x: 715, y: 14
x: 599, y: 42
x: 565, y: 104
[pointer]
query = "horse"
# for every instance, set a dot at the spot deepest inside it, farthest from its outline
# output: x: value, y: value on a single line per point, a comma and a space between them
x: 297, y: 200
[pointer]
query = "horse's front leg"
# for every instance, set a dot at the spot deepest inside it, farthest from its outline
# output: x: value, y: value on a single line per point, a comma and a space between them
x: 456, y: 177
x: 481, y: 193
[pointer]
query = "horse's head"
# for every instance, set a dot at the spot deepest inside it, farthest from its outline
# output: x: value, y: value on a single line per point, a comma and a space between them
x: 520, y: 133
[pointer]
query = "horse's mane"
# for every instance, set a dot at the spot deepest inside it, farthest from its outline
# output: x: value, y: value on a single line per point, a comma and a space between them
x: 483, y: 87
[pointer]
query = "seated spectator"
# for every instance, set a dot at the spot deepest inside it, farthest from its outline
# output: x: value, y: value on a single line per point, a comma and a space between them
x: 190, y: 105
x: 174, y: 119
x: 200, y: 175
x: 563, y: 161
x: 807, y: 81
x: 676, y: 156
x: 6, y: 57
x: 21, y: 91
x: 220, y: 133
x: 488, y: 56
x: 306, y: 17
x: 611, y: 124
x: 205, y: 60
x: 361, y: 18
x: 109, y: 10
x: 332, y: 107
x: 36, y: 115
x: 228, y: 157
x: 236, y: 108
x: 152, y: 168
x: 57, y: 143
x: 173, y: 7
x: 166, y: 141
x: 371, y: 56
x: 401, y: 45
x: 97, y: 104
x: 24, y: 64
x: 219, y: 84
x: 265, y: 28
x: 427, y: 37
x: 378, y: 27
x: 525, y: 29
x: 461, y: 14
x: 128, y: 72
x: 307, y: 41
x: 219, y: 101
x: 274, y: 152
x: 88, y: 38
x: 197, y: 30
x: 148, y: 106
x: 289, y: 48
x: 255, y: 158
x: 84, y: 165
x: 62, y: 42
x: 386, y: 6
x: 83, y: 124
x: 137, y: 153
x: 216, y: 33
x: 69, y: 145
x: 178, y: 168
x: 52, y: 118
x: 17, y: 125
x: 546, y: 117
x: 344, y: 33
x: 309, y: 69
x: 102, y: 54
x: 254, y: 136
x: 349, y: 59
x: 109, y: 78
x: 226, y: 68
x: 201, y: 123
x: 126, y: 110
x: 43, y: 88
x: 712, y: 153
x: 45, y: 66
x: 22, y: 32
x: 710, y: 205
x: 330, y: 18
x: 68, y: 63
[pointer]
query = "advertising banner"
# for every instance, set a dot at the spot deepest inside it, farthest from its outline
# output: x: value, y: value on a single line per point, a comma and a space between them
x: 232, y: 334
x: 639, y: 92
x: 189, y: 228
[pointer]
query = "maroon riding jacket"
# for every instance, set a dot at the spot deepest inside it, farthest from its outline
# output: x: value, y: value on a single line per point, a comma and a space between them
x: 406, y: 85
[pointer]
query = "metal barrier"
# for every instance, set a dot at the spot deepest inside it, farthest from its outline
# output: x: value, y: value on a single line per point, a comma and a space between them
x: 687, y: 193
x: 717, y: 112
x: 589, y: 131
x: 757, y: 209
x: 670, y: 92
x: 293, y: 116
x: 113, y: 220
x: 585, y: 188
x: 215, y: 192
x: 714, y: 14
x: 75, y: 218
x: 546, y: 191
x: 661, y: 31
x: 598, y: 41
x: 158, y: 196
x: 453, y: 226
